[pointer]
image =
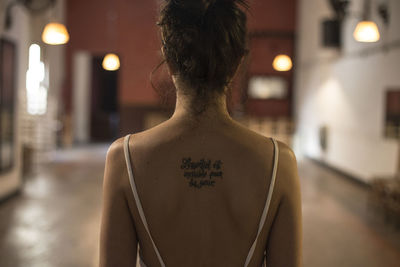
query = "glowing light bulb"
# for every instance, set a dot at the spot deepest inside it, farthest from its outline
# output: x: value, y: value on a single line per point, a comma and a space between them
x: 111, y: 62
x: 55, y: 34
x: 366, y: 32
x: 282, y: 63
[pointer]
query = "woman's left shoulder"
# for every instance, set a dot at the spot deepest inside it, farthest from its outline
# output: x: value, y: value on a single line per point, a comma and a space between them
x: 115, y: 151
x: 115, y: 165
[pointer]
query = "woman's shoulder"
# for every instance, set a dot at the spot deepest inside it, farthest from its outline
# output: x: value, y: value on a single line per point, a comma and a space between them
x: 286, y: 155
x: 115, y: 151
x: 287, y: 172
x: 115, y: 162
x: 237, y: 134
x: 288, y: 181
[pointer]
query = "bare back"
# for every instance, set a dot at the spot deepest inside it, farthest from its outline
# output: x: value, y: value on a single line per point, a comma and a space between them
x: 203, y: 188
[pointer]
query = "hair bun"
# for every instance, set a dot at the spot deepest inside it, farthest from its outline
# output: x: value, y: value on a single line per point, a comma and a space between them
x: 198, y: 8
x: 203, y: 4
x: 204, y: 42
x: 186, y: 11
x: 192, y: 6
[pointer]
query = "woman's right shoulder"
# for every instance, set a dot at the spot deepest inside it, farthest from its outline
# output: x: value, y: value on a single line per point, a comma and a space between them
x: 263, y: 142
x: 287, y: 162
x: 287, y: 172
x: 286, y: 154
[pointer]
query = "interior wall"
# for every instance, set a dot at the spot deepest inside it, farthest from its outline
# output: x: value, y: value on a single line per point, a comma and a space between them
x: 19, y: 33
x: 81, y: 86
x: 53, y: 56
x: 129, y: 29
x: 271, y: 26
x: 263, y: 50
x: 344, y: 90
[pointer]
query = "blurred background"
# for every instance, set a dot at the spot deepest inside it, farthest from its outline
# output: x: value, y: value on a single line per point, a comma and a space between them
x: 322, y: 76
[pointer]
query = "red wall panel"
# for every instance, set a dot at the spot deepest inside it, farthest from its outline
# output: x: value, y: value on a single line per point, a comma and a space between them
x: 128, y: 27
x: 276, y: 15
x: 125, y: 27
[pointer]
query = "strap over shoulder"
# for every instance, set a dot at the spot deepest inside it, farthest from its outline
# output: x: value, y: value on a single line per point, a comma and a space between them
x: 143, y: 218
x: 267, y: 203
x: 136, y: 197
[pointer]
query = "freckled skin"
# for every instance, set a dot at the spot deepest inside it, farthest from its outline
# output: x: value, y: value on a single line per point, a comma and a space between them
x: 208, y: 226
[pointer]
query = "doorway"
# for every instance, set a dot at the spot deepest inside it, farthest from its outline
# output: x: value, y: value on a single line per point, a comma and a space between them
x: 104, y: 115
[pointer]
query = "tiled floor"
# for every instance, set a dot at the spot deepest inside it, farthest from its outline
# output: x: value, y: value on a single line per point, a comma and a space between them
x: 55, y: 220
x: 340, y: 229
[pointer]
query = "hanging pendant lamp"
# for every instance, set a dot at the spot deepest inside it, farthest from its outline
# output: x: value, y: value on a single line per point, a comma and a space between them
x: 111, y: 62
x: 366, y: 30
x: 55, y: 34
x: 282, y: 63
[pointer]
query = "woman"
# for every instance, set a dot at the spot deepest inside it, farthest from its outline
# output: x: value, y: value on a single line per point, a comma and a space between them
x: 200, y: 189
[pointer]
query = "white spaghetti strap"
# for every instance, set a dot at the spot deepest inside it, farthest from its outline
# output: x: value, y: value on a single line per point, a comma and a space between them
x: 267, y: 203
x: 136, y: 197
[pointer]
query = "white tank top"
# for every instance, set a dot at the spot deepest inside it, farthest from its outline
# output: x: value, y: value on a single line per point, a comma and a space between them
x: 144, y: 221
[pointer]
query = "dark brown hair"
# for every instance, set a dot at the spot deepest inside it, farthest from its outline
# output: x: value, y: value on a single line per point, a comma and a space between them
x: 204, y: 42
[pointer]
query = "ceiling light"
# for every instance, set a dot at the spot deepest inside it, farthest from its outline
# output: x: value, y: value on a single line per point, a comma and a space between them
x: 111, y: 62
x: 282, y: 63
x: 55, y: 34
x: 366, y: 32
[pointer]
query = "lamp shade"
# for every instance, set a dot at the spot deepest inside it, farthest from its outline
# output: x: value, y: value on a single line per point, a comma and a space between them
x: 282, y: 63
x: 366, y: 31
x: 111, y: 62
x: 55, y: 34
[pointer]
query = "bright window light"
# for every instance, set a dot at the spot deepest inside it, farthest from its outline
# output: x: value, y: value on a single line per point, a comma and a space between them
x: 36, y: 92
x: 267, y: 87
x: 34, y: 55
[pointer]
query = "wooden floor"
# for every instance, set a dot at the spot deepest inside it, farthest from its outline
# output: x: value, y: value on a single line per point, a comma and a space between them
x: 55, y: 220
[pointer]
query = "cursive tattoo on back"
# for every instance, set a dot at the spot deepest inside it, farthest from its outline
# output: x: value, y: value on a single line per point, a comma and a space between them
x: 203, y: 172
